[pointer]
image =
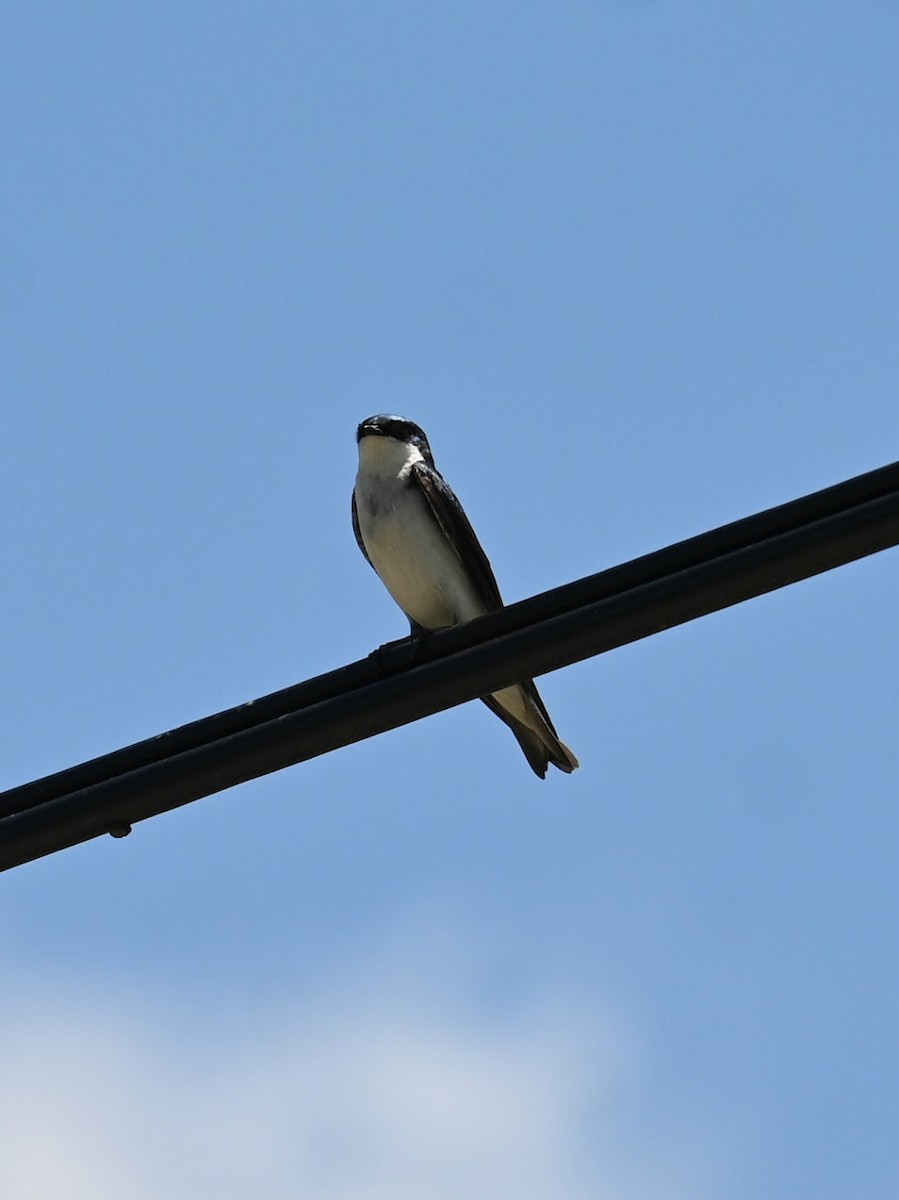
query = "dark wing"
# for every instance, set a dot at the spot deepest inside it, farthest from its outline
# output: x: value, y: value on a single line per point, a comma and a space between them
x: 358, y: 532
x: 449, y: 515
x: 540, y: 748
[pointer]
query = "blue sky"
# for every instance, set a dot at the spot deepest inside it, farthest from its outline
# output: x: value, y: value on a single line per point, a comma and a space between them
x: 632, y: 266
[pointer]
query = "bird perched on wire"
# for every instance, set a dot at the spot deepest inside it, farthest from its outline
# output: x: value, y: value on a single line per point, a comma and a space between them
x: 414, y: 532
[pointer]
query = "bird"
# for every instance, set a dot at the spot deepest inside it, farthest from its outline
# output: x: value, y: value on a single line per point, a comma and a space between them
x: 415, y: 534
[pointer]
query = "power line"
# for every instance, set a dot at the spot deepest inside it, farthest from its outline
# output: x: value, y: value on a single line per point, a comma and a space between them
x: 401, y: 684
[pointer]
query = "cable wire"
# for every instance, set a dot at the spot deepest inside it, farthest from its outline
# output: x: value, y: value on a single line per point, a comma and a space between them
x: 402, y: 683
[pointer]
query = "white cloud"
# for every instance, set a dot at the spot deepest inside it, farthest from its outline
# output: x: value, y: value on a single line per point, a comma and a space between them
x: 367, y: 1092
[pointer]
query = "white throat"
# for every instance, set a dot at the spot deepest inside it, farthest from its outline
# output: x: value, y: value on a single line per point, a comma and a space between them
x: 387, y: 458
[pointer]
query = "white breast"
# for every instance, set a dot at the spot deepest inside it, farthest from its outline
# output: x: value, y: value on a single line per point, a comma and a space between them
x: 414, y: 560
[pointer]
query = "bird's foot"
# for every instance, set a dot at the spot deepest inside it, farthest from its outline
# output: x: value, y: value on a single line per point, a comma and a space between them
x: 393, y: 656
x: 401, y: 653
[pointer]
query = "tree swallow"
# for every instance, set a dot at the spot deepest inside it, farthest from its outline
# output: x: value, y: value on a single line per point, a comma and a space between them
x: 413, y: 531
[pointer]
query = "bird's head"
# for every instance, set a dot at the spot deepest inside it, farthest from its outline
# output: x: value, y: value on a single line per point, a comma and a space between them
x: 399, y: 430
